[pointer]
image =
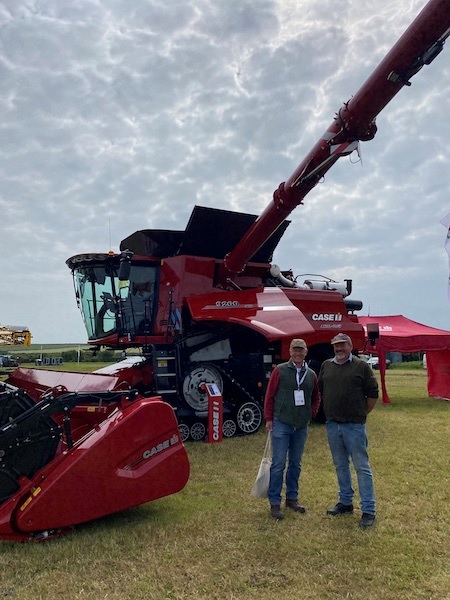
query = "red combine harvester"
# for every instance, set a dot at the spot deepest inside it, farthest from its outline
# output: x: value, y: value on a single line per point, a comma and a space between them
x: 203, y: 305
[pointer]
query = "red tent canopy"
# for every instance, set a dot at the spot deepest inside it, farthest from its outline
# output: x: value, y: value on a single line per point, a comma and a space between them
x: 399, y: 334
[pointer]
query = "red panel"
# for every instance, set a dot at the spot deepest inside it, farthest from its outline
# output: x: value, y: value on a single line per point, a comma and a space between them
x: 438, y: 370
x: 280, y: 313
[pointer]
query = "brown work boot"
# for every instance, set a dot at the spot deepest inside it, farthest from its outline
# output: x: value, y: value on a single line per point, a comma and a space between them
x: 275, y: 512
x: 295, y: 506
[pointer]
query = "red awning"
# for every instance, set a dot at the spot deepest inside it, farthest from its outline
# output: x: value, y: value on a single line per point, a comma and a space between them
x: 400, y: 334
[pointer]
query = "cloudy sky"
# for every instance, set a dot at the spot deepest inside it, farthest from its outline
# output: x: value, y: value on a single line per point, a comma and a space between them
x: 119, y: 115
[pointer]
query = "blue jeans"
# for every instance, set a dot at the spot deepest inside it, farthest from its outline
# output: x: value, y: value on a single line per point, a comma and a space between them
x: 350, y: 440
x: 287, y: 442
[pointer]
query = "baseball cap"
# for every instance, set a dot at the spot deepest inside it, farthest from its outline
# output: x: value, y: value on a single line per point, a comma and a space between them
x: 341, y: 337
x: 298, y: 343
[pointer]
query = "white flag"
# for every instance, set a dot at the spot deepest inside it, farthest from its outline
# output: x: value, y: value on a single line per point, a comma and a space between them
x: 446, y: 223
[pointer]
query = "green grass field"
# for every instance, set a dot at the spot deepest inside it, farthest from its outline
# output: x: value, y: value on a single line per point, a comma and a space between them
x: 213, y: 541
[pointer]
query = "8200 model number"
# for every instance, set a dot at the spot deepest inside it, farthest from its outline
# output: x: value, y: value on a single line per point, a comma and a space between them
x: 226, y: 303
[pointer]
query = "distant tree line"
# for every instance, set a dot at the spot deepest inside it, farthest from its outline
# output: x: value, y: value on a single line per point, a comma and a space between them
x: 106, y: 355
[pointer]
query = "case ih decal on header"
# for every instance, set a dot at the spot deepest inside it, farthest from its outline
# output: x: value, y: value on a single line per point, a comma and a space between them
x: 204, y: 306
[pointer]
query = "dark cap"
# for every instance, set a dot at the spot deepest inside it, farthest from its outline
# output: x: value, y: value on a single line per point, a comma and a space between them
x: 298, y: 343
x: 341, y: 338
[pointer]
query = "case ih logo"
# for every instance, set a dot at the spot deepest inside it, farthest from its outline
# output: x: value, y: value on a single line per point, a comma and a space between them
x: 172, y: 441
x: 326, y: 317
x: 160, y: 447
x: 216, y: 420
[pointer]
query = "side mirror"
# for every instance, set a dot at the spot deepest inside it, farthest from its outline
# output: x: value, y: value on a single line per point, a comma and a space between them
x: 124, y: 271
x: 124, y: 274
x: 125, y: 265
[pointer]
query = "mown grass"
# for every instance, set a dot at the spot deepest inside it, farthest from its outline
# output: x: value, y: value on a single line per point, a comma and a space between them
x: 213, y: 541
x: 82, y: 367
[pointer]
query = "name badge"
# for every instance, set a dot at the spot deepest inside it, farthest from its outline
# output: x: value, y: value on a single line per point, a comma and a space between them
x: 299, y: 398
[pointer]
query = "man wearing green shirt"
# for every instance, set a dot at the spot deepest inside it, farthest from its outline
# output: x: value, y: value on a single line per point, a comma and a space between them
x: 349, y: 392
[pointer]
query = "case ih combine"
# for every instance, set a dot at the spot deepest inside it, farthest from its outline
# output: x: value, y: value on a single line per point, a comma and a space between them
x: 204, y: 305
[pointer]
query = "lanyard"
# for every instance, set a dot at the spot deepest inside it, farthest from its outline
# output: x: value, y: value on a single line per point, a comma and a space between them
x: 300, y: 381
